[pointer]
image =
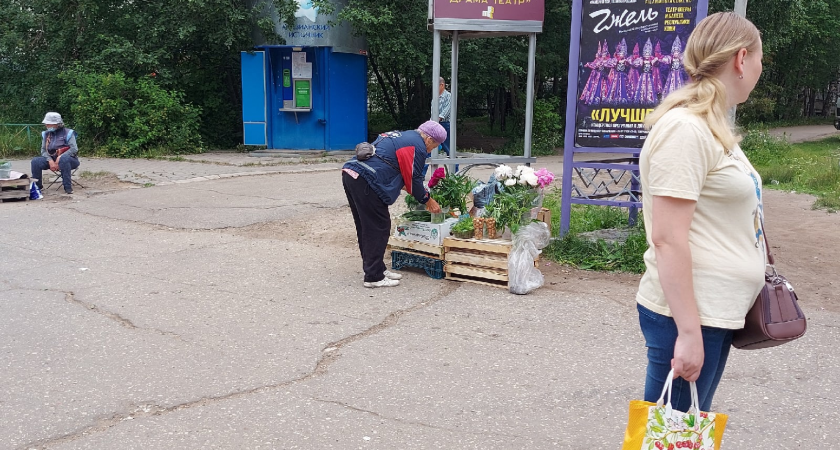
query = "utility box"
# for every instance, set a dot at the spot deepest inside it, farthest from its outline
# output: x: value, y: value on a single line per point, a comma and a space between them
x: 304, y: 98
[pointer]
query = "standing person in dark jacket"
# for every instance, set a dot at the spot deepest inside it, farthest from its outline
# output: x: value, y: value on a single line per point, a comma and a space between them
x: 59, y: 151
x: 374, y: 184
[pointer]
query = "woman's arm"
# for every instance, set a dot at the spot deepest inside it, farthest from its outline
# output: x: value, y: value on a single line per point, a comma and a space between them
x: 671, y: 222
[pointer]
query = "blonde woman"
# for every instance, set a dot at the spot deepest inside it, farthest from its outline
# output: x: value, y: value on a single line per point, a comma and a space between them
x: 702, y: 211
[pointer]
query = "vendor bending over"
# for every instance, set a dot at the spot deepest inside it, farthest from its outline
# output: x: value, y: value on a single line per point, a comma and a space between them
x: 374, y: 184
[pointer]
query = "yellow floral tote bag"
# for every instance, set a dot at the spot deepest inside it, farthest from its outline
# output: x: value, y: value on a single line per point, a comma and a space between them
x: 656, y: 426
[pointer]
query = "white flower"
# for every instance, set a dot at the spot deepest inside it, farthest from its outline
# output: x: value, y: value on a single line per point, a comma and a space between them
x: 531, y: 178
x: 510, y: 181
x: 503, y: 172
x: 522, y: 170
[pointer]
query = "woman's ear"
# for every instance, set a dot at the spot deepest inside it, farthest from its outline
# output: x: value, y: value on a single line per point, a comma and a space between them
x: 739, y: 61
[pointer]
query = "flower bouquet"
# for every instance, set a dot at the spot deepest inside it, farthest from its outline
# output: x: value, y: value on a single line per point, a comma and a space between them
x: 450, y: 190
x: 520, y: 198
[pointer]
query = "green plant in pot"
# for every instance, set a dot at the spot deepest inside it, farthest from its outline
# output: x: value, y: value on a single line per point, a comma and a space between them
x: 463, y: 228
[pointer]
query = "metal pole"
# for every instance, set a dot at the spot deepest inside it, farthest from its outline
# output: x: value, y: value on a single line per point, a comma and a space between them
x: 453, y: 85
x: 740, y: 9
x: 435, y: 82
x: 529, y: 96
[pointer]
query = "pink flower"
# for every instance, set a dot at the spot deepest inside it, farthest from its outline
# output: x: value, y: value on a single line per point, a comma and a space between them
x: 439, y: 174
x: 544, y: 177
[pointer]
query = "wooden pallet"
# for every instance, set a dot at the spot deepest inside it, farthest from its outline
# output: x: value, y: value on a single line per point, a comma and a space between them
x: 482, y: 261
x: 415, y: 247
x: 14, y: 189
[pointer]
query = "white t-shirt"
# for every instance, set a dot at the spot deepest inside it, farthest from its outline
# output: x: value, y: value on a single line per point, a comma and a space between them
x: 682, y: 159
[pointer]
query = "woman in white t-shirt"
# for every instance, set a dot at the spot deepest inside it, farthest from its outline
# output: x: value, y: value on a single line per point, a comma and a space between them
x: 703, y: 214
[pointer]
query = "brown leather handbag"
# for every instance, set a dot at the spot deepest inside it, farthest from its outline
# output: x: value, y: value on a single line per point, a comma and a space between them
x: 775, y: 318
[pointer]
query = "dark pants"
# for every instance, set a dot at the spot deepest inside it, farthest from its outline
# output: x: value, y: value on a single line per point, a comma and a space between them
x: 660, y: 337
x: 373, y: 225
x: 66, y: 165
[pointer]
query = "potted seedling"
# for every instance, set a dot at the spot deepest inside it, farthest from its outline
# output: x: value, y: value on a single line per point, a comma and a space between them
x: 464, y: 228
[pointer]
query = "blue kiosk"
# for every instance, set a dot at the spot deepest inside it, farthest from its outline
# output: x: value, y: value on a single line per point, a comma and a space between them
x: 310, y: 94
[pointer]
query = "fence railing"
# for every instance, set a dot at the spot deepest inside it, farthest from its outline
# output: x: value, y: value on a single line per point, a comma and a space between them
x: 20, y: 139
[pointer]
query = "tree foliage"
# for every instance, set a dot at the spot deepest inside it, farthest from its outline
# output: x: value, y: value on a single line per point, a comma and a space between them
x: 801, y: 66
x: 189, y: 48
x: 187, y: 52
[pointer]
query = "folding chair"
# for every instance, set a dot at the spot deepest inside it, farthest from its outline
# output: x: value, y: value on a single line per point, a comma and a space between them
x: 58, y: 178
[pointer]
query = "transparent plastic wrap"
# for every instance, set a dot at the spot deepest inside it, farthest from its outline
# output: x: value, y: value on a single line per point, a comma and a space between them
x: 528, y: 242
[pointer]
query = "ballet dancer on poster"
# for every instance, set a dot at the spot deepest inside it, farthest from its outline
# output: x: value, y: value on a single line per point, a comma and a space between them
x: 657, y: 72
x: 634, y: 72
x: 646, y: 88
x: 619, y: 93
x: 592, y: 92
x: 676, y: 75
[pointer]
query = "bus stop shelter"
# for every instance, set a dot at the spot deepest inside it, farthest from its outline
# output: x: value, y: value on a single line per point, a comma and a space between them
x: 467, y: 20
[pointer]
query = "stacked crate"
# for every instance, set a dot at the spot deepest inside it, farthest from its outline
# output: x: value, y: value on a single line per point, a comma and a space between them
x: 14, y: 189
x: 420, y: 255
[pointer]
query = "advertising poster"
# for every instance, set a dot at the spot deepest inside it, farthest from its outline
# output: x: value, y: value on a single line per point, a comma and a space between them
x: 630, y: 57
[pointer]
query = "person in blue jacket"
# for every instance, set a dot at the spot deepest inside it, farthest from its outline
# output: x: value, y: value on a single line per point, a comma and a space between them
x: 375, y: 183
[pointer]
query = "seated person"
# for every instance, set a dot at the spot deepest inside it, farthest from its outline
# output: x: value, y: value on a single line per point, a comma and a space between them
x: 59, y: 151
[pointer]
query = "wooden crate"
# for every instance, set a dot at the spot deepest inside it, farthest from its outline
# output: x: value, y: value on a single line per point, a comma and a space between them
x: 482, y: 261
x: 417, y: 247
x: 419, y: 255
x: 545, y: 216
x: 14, y: 189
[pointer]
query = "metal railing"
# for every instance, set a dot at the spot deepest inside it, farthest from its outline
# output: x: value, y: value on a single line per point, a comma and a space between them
x: 20, y: 139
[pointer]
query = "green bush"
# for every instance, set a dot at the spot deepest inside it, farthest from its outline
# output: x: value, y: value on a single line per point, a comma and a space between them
x: 127, y: 117
x: 762, y: 148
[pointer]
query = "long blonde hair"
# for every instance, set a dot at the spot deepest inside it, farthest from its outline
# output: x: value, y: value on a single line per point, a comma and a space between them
x: 714, y: 41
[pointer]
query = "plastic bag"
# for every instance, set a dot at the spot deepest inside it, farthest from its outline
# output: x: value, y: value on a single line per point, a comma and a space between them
x: 34, y: 192
x: 528, y: 243
x: 484, y: 192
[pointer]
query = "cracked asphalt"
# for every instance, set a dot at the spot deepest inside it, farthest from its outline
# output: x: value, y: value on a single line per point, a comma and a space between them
x: 223, y: 310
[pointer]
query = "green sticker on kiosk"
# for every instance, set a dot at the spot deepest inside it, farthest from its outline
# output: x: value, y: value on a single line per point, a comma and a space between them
x: 303, y: 94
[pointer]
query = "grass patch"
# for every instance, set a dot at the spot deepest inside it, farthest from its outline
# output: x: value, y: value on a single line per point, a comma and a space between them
x: 627, y: 256
x: 808, y: 167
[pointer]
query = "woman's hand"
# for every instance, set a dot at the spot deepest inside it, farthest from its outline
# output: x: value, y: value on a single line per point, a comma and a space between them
x: 688, y: 356
x: 432, y: 206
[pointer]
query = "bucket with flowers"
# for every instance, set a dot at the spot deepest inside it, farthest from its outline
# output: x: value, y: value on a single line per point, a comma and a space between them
x: 450, y: 190
x: 520, y: 198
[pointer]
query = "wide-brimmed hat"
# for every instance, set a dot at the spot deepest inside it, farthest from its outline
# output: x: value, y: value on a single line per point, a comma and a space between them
x: 52, y: 118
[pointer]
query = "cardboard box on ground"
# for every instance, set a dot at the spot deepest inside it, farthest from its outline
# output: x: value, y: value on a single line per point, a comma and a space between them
x: 431, y: 233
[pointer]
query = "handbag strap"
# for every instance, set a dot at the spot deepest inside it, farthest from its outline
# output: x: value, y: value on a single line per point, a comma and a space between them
x: 770, y: 259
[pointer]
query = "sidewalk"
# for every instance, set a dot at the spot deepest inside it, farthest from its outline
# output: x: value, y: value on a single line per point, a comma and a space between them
x: 805, y: 133
x: 215, y: 165
x: 200, y: 167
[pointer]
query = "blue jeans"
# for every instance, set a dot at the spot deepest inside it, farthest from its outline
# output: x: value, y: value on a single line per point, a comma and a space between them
x: 444, y: 146
x: 65, y: 165
x: 660, y: 337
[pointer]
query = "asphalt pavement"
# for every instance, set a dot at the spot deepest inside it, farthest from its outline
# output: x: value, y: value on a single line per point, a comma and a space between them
x: 222, y: 307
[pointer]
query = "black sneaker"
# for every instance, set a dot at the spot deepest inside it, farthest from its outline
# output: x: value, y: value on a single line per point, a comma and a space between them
x: 68, y: 191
